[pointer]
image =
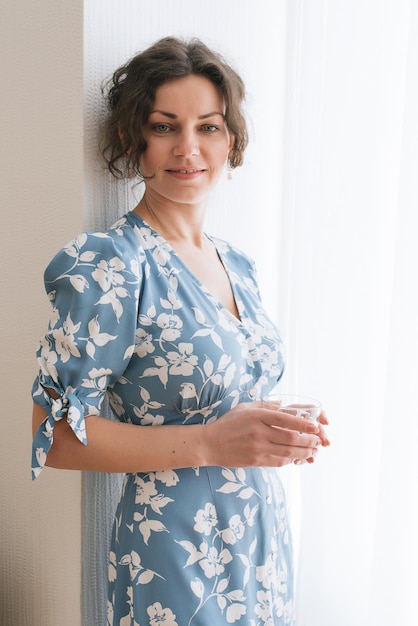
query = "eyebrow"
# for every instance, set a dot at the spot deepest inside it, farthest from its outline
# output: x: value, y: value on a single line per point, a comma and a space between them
x: 172, y: 116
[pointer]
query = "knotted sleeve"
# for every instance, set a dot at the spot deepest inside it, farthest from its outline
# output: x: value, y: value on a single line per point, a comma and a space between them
x: 93, y: 285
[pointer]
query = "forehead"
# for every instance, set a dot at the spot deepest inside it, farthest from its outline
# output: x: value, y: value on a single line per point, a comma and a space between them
x: 195, y: 94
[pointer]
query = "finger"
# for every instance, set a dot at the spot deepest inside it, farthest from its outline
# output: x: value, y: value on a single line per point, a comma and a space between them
x: 283, y: 419
x: 303, y: 461
x: 272, y: 404
x: 323, y: 436
x: 293, y: 441
x: 323, y: 419
x: 282, y: 458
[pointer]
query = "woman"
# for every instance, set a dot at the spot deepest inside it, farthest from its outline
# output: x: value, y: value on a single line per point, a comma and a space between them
x: 168, y: 322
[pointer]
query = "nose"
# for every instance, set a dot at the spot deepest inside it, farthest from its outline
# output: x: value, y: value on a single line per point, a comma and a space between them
x: 187, y: 144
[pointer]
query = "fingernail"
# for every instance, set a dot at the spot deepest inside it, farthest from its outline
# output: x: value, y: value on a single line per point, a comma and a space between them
x: 313, y: 426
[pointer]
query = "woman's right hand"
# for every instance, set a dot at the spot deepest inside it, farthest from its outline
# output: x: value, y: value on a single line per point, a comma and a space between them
x: 251, y: 434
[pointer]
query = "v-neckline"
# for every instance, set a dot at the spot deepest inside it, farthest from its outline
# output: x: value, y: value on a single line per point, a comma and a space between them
x: 237, y: 320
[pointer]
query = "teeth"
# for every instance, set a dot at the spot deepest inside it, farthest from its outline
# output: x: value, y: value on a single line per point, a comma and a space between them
x: 186, y: 171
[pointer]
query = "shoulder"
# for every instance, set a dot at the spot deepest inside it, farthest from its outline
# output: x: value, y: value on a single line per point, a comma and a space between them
x: 235, y: 255
x: 241, y: 267
x: 118, y: 246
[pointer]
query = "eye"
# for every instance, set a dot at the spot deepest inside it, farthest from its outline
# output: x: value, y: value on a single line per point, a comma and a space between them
x: 161, y: 128
x: 210, y: 128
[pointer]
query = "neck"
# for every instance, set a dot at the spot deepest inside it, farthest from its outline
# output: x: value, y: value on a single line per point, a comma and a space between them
x: 174, y: 223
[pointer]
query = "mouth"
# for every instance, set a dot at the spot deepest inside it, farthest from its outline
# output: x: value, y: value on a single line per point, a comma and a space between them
x: 186, y: 174
x: 185, y: 171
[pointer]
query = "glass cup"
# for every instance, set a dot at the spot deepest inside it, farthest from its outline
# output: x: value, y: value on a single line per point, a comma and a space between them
x: 294, y: 404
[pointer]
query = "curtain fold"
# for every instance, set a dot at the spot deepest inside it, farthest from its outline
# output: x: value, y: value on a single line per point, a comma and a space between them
x: 349, y: 302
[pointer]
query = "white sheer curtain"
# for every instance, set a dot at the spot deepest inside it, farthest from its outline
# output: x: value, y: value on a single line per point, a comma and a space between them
x: 349, y: 302
x: 348, y: 263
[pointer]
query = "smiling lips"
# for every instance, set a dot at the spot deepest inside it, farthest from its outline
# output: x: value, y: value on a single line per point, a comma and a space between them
x: 185, y: 173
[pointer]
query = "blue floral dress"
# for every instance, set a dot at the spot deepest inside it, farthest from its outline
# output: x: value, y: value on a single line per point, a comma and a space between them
x: 199, y: 546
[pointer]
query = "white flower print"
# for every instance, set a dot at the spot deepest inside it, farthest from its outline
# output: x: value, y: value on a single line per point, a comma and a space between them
x: 65, y: 344
x: 182, y: 362
x: 153, y: 502
x: 145, y: 490
x: 168, y: 477
x: 97, y: 381
x: 135, y: 269
x: 107, y: 273
x: 171, y: 302
x: 151, y: 420
x: 279, y: 606
x: 40, y: 457
x: 162, y: 255
x: 112, y: 298
x: 147, y: 318
x: 117, y: 226
x: 139, y: 574
x: 268, y: 357
x: 288, y: 612
x: 110, y: 612
x: 263, y: 608
x: 265, y: 573
x: 235, y: 530
x: 235, y: 611
x: 96, y: 338
x: 112, y: 566
x: 146, y: 237
x: 213, y: 563
x: 142, y: 410
x: 73, y: 248
x: 143, y: 343
x: 188, y: 391
x: 54, y: 319
x: 205, y: 519
x: 251, y: 285
x: 159, y: 615
x: 171, y: 326
x: 146, y: 525
x: 79, y: 282
x: 281, y: 582
x: 116, y: 403
x: 236, y: 483
x: 232, y: 600
x: 47, y: 359
x: 75, y: 420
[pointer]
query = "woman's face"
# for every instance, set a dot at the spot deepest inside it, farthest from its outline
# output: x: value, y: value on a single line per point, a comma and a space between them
x: 187, y: 140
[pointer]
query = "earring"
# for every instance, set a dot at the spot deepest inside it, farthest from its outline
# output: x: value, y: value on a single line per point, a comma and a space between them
x: 229, y: 169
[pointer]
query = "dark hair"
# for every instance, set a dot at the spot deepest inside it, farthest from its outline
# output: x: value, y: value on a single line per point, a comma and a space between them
x: 130, y: 94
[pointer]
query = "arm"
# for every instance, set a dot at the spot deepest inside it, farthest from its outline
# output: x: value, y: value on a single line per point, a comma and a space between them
x: 89, y: 342
x: 241, y: 438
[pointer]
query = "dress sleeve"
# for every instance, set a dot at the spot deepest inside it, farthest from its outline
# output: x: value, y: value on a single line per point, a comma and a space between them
x: 93, y: 285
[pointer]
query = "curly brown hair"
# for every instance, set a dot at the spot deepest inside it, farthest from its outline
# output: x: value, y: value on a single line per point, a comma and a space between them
x: 130, y: 94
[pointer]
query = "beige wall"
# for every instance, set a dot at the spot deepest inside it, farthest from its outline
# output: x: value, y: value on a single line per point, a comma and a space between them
x: 41, y: 208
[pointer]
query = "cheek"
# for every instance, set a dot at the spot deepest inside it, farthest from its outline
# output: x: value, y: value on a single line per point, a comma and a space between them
x: 149, y: 160
x: 221, y: 152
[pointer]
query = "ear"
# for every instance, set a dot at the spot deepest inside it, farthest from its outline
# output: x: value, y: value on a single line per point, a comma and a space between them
x: 230, y: 155
x: 121, y: 137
